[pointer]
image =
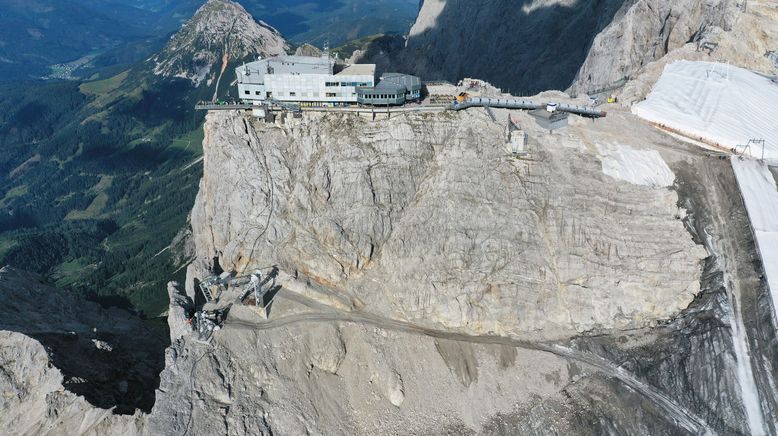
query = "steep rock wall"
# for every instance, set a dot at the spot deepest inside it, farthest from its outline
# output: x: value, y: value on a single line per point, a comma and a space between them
x: 34, y: 401
x: 523, y: 46
x: 530, y: 46
x: 647, y: 30
x: 424, y: 217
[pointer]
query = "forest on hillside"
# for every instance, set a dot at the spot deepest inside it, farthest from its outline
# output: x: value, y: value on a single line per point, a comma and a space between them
x: 97, y: 184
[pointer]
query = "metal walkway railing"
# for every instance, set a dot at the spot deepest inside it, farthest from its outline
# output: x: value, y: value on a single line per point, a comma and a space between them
x: 501, y: 103
x: 224, y: 107
x: 515, y: 103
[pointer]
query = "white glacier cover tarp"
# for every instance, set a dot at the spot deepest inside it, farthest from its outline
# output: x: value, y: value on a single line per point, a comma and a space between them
x: 716, y: 102
x: 760, y: 194
x: 639, y: 167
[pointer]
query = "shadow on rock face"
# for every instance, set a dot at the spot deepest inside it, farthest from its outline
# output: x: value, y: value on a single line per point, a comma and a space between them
x: 523, y: 46
x: 109, y: 371
x: 110, y: 356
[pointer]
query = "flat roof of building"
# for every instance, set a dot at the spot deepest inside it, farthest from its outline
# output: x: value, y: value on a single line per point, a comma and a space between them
x: 285, y: 64
x: 552, y: 116
x: 413, y: 83
x: 300, y: 65
x: 358, y: 70
x: 383, y: 87
x: 306, y: 60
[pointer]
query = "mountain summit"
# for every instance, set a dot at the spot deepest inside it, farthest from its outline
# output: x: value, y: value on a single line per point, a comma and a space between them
x: 220, y: 31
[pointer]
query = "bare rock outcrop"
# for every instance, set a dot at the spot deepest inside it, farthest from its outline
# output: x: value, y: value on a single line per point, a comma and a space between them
x: 718, y: 31
x: 522, y: 46
x: 221, y: 31
x: 70, y: 366
x: 179, y: 312
x: 424, y: 217
x: 281, y: 383
x: 308, y: 50
x: 647, y: 30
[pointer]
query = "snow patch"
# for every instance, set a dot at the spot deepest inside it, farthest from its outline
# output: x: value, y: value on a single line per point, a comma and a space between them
x: 541, y: 4
x: 639, y: 167
x: 715, y: 102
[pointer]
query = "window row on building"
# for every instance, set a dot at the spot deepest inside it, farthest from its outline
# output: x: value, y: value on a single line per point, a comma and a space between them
x: 304, y: 94
x: 382, y: 96
x: 349, y: 84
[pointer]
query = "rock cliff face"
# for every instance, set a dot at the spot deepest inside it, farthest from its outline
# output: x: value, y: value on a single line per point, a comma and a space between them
x: 531, y: 46
x: 610, y: 228
x: 745, y: 38
x: 412, y: 236
x: 647, y: 30
x: 221, y: 31
x: 523, y: 46
x: 426, y: 217
x: 35, y: 402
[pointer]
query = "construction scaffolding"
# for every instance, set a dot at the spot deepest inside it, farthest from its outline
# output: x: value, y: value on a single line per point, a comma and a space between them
x: 255, y: 286
x: 222, y: 291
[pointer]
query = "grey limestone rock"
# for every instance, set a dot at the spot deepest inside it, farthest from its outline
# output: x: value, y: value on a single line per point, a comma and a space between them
x: 220, y: 30
x: 181, y: 308
x: 34, y: 401
x: 425, y: 217
x: 647, y: 30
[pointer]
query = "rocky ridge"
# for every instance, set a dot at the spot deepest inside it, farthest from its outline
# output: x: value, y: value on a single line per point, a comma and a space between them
x: 221, y: 31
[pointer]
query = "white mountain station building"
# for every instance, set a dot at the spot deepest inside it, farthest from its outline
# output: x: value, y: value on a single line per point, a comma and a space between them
x: 317, y: 81
x: 303, y: 79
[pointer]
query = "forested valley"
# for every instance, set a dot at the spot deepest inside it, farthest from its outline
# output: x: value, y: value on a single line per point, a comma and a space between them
x: 98, y: 179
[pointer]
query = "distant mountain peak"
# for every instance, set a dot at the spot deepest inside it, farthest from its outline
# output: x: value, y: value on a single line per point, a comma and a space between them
x: 308, y: 50
x: 221, y: 31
